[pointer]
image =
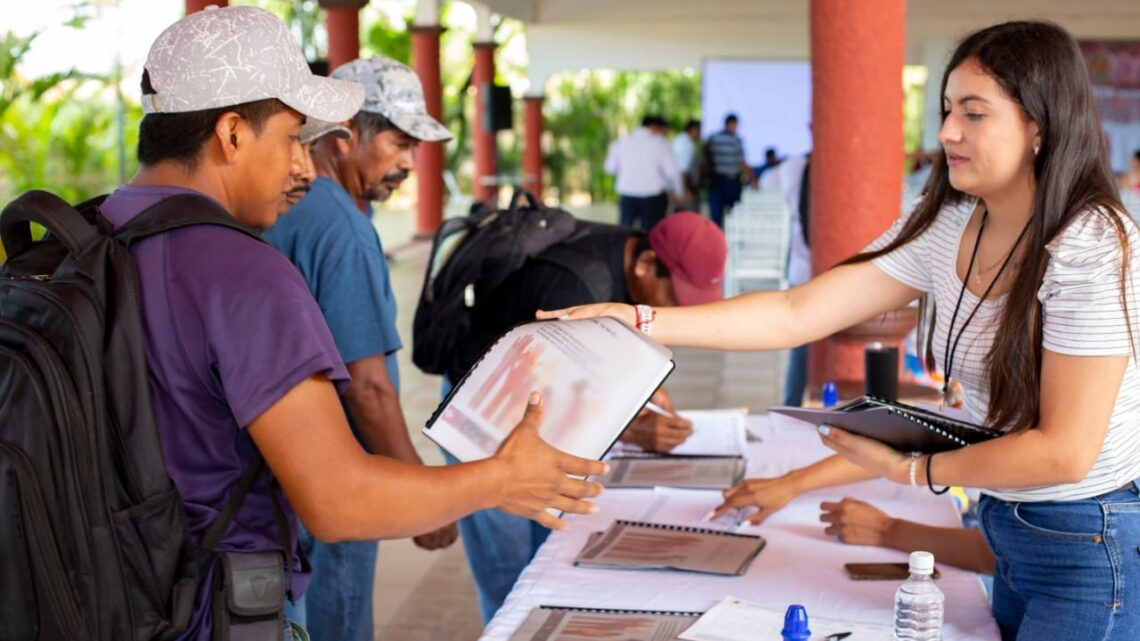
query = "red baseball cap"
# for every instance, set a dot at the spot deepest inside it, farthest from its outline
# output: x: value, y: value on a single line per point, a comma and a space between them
x: 694, y: 250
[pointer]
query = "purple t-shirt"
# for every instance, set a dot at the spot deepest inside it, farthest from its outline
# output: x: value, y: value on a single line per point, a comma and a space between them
x: 230, y: 328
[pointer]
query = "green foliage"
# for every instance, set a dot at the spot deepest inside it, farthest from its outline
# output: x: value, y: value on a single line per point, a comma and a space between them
x: 586, y: 111
x: 60, y: 131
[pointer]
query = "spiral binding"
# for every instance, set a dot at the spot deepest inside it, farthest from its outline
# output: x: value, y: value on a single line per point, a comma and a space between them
x: 667, y: 613
x: 954, y: 430
x: 685, y: 528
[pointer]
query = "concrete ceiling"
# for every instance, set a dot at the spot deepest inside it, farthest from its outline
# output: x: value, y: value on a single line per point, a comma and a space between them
x: 663, y: 34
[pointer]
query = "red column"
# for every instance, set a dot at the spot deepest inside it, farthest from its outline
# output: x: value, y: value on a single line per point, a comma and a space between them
x: 857, y: 55
x: 343, y: 25
x: 484, y: 138
x: 198, y: 5
x: 532, y: 144
x: 429, y: 156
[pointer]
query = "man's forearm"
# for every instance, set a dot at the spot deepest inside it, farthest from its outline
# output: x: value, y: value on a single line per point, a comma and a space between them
x: 380, y: 421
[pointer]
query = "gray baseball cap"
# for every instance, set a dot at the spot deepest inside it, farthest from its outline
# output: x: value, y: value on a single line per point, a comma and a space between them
x: 314, y: 129
x: 393, y: 90
x: 224, y: 57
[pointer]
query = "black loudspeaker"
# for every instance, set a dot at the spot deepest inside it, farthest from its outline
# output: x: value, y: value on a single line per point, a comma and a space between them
x: 497, y: 114
x: 881, y: 371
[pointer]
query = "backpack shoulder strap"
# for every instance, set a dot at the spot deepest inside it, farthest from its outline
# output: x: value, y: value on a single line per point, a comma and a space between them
x: 183, y: 210
x: 50, y: 211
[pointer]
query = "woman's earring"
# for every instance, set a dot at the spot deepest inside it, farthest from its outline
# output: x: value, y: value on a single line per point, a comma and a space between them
x: 1036, y: 148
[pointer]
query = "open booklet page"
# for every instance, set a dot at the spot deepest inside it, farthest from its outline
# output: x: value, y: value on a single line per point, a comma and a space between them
x: 627, y: 545
x: 715, y: 433
x: 736, y: 620
x: 702, y: 473
x: 573, y: 624
x: 594, y: 375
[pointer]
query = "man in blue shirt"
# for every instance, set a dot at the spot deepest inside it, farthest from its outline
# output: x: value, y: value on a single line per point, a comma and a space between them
x: 339, y: 255
x: 726, y: 151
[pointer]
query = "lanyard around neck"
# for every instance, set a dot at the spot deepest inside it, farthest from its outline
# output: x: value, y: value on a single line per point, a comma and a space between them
x: 951, y: 340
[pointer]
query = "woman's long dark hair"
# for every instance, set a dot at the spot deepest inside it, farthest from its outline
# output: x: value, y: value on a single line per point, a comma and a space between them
x: 1039, y: 66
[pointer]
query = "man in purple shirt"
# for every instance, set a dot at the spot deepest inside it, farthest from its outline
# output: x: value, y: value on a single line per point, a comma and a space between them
x: 241, y: 360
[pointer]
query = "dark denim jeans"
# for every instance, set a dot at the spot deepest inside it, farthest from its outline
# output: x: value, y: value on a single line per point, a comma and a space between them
x: 1066, y: 570
x: 337, y: 605
x: 498, y: 547
x: 724, y: 193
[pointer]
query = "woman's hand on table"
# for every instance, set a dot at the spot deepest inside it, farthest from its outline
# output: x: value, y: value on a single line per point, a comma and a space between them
x: 625, y: 313
x: 869, y: 454
x: 767, y: 495
x: 855, y: 522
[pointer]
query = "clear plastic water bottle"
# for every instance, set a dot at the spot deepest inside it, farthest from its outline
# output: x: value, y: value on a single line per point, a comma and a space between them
x: 919, y: 604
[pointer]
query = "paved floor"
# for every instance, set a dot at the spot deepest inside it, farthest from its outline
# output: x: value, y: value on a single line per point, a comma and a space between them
x: 422, y: 596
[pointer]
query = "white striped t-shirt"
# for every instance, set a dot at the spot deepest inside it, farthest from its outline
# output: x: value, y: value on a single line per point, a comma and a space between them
x: 1083, y: 316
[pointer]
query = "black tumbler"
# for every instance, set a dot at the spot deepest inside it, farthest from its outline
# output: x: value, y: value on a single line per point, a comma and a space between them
x: 881, y: 371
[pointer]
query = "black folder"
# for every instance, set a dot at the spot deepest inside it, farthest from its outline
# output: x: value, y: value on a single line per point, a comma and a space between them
x: 903, y: 427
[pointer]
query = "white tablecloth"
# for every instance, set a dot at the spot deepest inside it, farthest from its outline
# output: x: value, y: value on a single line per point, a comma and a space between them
x: 799, y: 565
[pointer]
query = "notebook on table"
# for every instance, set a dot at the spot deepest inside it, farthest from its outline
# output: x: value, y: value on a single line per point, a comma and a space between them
x: 903, y: 427
x: 687, y: 472
x: 595, y: 374
x: 633, y: 545
x: 558, y: 623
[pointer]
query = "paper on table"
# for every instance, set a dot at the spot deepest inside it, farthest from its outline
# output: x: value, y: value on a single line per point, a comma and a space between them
x: 715, y: 433
x: 735, y: 620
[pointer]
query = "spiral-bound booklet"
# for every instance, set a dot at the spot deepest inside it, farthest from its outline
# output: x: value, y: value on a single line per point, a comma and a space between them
x: 689, y: 472
x: 633, y: 545
x: 558, y: 623
x: 903, y: 427
x: 595, y: 374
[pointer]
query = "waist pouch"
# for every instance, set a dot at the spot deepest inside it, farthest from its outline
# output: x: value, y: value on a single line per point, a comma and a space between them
x: 249, y: 597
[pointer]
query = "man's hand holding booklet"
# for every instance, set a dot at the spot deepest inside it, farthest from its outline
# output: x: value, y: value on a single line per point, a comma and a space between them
x: 594, y: 376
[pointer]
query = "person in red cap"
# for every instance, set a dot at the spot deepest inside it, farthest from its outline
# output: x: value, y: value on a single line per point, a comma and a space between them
x: 681, y: 262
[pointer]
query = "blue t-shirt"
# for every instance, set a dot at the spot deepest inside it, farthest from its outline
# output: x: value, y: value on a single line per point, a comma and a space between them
x: 340, y: 257
x: 230, y: 328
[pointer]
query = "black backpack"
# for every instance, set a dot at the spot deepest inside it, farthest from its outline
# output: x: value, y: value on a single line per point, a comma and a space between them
x: 472, y: 256
x: 92, y: 531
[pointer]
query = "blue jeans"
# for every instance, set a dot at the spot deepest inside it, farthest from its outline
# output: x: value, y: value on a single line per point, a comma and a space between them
x: 337, y: 605
x: 724, y: 192
x: 498, y: 547
x: 1066, y: 570
x: 795, y: 380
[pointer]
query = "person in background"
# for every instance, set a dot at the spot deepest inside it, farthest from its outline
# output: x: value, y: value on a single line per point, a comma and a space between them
x: 685, y: 145
x: 726, y: 151
x: 339, y: 254
x: 646, y: 174
x: 771, y: 161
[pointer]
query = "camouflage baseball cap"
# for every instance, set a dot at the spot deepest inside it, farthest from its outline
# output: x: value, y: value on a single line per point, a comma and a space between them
x: 224, y: 57
x: 393, y: 90
x: 314, y: 129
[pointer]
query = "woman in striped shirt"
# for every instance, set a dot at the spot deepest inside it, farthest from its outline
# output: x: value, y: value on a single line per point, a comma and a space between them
x: 1024, y: 246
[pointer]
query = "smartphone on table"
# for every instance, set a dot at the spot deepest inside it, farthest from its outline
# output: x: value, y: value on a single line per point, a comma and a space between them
x: 880, y: 571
